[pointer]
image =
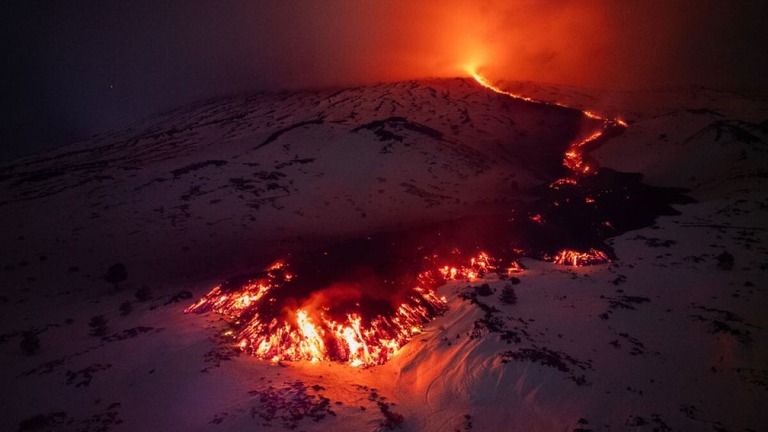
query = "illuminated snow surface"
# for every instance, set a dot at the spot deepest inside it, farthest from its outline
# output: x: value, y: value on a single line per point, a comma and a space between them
x: 671, y: 335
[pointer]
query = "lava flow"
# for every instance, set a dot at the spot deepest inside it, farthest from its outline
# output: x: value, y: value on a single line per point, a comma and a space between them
x: 361, y: 300
x: 275, y: 316
x: 574, y: 158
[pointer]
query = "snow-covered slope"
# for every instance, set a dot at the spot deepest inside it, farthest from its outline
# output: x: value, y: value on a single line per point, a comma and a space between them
x: 235, y: 174
x: 671, y: 336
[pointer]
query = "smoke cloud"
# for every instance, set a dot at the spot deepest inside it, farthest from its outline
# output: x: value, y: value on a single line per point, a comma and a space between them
x: 78, y: 68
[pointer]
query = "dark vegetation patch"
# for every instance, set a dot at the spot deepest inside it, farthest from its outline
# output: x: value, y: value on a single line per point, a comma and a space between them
x: 275, y: 135
x: 467, y: 422
x: 430, y: 198
x: 83, y: 377
x: 178, y: 172
x: 30, y: 342
x: 656, y: 423
x: 294, y: 161
x: 46, y: 422
x: 392, y: 420
x: 513, y: 336
x: 490, y: 322
x: 289, y: 405
x: 196, y: 166
x: 262, y: 181
x: 544, y: 356
x: 508, y: 295
x: 743, y: 336
x: 732, y: 130
x: 130, y: 333
x: 47, y: 367
x: 725, y: 261
x: 483, y: 290
x: 757, y: 378
x: 125, y: 308
x: 725, y: 322
x: 386, y: 130
x: 115, y: 274
x: 57, y: 364
x: 626, y: 302
x: 101, y: 421
x: 222, y: 349
x: 635, y: 346
x: 269, y: 175
x: 98, y: 325
x: 181, y: 295
x: 690, y: 411
x: 582, y: 422
x: 38, y: 176
x: 657, y: 242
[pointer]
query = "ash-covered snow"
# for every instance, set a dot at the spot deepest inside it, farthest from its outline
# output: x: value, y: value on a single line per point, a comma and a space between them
x: 670, y: 336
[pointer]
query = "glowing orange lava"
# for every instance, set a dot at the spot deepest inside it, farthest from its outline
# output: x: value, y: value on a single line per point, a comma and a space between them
x: 575, y: 162
x: 576, y: 258
x: 477, y: 268
x: 309, y: 333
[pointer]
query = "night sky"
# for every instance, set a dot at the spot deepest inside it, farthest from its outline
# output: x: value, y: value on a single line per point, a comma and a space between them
x: 75, y: 68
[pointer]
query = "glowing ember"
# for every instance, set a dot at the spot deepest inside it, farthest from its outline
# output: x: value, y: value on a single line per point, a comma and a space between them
x: 576, y: 258
x: 477, y: 268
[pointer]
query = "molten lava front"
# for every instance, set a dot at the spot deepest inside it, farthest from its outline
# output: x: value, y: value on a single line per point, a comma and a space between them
x: 351, y: 332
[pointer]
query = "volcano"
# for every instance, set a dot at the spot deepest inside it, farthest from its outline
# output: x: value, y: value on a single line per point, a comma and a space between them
x: 492, y: 259
x: 361, y: 301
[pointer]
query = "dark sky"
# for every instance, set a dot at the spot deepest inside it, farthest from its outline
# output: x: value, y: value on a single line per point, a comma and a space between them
x: 75, y: 68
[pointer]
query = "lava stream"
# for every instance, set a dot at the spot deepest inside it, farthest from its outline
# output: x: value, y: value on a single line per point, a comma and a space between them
x: 574, y: 157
